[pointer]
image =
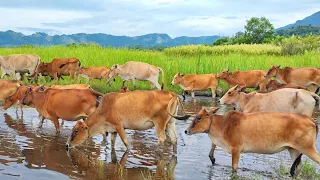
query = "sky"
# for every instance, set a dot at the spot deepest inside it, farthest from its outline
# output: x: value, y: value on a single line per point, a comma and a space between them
x: 139, y: 17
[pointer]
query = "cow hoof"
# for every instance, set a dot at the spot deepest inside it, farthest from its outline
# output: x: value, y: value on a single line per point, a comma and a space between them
x: 213, y: 161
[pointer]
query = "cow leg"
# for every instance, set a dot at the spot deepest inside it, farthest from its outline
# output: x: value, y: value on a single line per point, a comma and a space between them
x: 296, y: 160
x: 56, y: 124
x: 123, y: 135
x: 213, y: 91
x: 184, y: 95
x: 113, y: 139
x: 79, y: 76
x: 235, y: 153
x: 41, y: 121
x: 133, y: 82
x: 72, y: 76
x: 123, y: 82
x: 211, y: 154
x: 192, y: 94
x: 171, y: 129
x: 160, y: 129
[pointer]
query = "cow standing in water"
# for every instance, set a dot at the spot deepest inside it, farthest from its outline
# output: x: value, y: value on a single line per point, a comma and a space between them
x: 18, y: 64
x: 282, y: 100
x: 262, y: 133
x: 131, y: 110
x: 196, y: 82
x: 130, y: 71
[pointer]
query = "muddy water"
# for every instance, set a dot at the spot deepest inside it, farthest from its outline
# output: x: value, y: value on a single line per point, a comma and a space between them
x: 29, y: 152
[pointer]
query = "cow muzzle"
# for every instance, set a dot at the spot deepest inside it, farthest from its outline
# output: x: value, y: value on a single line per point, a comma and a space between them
x: 187, y: 132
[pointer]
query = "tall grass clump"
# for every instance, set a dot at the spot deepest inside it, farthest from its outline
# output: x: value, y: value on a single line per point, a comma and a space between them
x: 171, y: 63
x: 298, y: 45
x: 248, y: 49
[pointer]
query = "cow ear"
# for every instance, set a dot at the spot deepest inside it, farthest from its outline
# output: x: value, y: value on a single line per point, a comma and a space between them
x: 242, y: 89
x: 213, y: 111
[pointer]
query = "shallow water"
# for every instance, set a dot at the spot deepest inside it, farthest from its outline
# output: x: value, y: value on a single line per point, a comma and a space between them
x: 29, y: 152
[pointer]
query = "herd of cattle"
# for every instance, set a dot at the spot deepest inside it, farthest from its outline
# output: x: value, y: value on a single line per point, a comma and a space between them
x: 275, y: 118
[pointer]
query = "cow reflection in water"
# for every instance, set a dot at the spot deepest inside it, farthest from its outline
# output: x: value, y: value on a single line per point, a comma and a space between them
x: 47, y: 152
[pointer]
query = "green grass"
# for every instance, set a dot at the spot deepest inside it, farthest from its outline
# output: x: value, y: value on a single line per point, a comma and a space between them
x: 170, y: 63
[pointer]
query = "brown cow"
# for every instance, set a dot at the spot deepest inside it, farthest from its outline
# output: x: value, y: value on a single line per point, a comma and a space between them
x: 196, y: 82
x: 7, y: 88
x: 17, y: 97
x: 131, y: 110
x: 282, y: 100
x: 66, y: 104
x: 59, y: 67
x: 91, y: 73
x: 250, y: 79
x: 303, y: 76
x: 262, y: 133
x: 274, y: 85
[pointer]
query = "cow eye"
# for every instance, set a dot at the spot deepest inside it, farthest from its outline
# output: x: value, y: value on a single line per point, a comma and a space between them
x: 199, y: 118
x: 76, y: 131
x: 229, y: 93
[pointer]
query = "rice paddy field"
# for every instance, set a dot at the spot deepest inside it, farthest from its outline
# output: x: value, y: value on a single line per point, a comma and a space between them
x: 184, y: 59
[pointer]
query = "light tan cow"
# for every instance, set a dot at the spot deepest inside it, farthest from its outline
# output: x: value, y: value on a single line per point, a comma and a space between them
x: 250, y: 79
x: 196, y: 82
x: 91, y: 73
x: 66, y: 104
x: 131, y: 110
x: 7, y: 88
x: 282, y: 100
x: 262, y: 133
x: 303, y: 76
x: 17, y: 64
x: 137, y: 70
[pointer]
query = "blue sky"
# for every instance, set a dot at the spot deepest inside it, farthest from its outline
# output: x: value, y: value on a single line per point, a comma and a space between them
x: 133, y: 18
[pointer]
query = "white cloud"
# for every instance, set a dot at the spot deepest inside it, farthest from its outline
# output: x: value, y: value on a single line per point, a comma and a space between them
x: 131, y: 17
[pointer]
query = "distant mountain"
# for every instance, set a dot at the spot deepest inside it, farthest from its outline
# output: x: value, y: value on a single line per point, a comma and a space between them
x: 301, y: 30
x: 313, y: 20
x: 11, y: 38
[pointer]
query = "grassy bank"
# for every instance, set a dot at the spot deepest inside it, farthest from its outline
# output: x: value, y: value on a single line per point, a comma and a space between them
x: 171, y: 63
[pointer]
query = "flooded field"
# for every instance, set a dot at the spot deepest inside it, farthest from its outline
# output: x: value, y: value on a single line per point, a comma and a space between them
x: 29, y: 152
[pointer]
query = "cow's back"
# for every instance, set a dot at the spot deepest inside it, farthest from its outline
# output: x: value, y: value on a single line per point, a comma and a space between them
x: 262, y: 130
x: 200, y: 81
x: 21, y: 62
x: 140, y: 70
x: 282, y: 100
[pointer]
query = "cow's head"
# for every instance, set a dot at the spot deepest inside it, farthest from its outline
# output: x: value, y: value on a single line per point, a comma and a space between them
x: 232, y: 95
x: 27, y: 99
x: 272, y: 85
x: 272, y: 72
x: 202, y: 121
x: 80, y: 133
x: 16, y: 97
x: 42, y: 68
x: 114, y: 71
x: 177, y: 79
x: 224, y: 74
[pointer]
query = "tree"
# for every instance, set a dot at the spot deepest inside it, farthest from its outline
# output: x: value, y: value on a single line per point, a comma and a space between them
x: 257, y: 29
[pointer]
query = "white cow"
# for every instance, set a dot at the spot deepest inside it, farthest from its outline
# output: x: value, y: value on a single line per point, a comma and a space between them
x: 16, y: 64
x: 137, y: 70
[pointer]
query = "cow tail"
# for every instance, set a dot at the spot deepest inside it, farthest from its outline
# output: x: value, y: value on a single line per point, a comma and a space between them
x: 162, y: 83
x: 172, y: 100
x: 316, y: 97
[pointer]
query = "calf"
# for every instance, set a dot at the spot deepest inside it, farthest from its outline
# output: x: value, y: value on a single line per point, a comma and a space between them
x: 303, y: 76
x: 66, y: 104
x: 91, y: 73
x: 196, y: 82
x: 137, y: 110
x: 250, y: 79
x: 137, y: 70
x: 59, y: 67
x: 262, y: 133
x: 282, y: 100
